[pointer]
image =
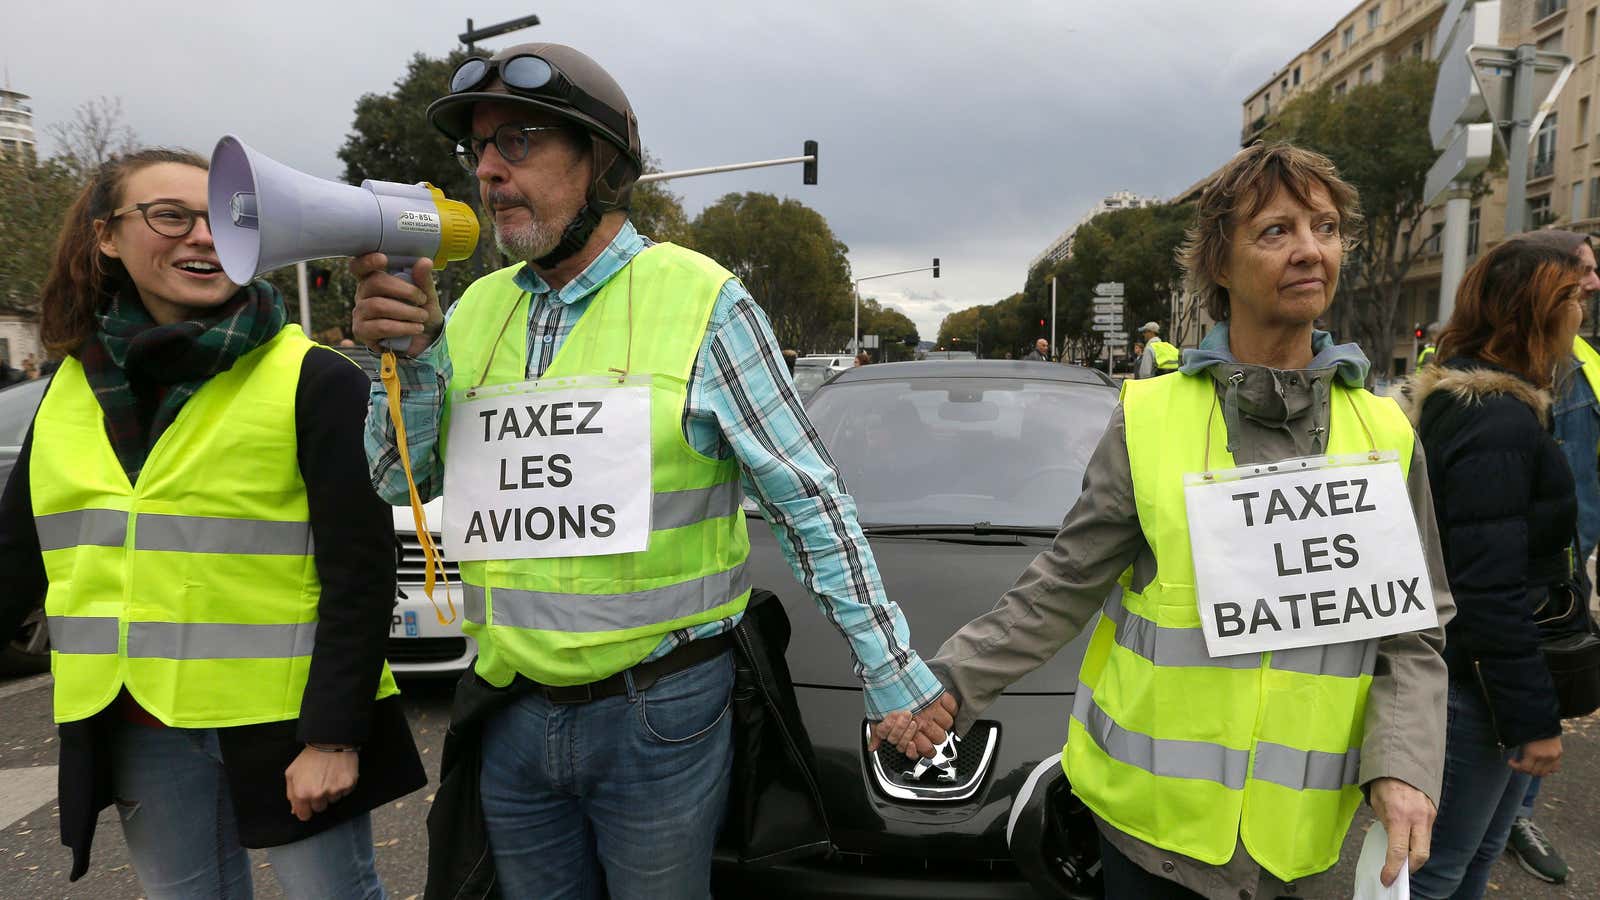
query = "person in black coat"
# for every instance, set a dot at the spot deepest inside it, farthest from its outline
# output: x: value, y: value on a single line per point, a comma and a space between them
x: 1507, y: 511
x: 205, y: 739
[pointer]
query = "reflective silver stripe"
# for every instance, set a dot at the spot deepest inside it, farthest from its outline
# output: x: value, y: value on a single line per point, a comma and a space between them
x: 208, y: 534
x: 187, y: 640
x: 82, y: 527
x: 82, y: 634
x: 576, y: 613
x: 1168, y: 646
x: 473, y: 606
x: 1346, y: 660
x: 675, y: 509
x: 1167, y: 758
x: 1306, y: 770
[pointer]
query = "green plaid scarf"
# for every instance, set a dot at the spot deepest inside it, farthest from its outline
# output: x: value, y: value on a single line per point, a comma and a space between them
x: 142, y: 373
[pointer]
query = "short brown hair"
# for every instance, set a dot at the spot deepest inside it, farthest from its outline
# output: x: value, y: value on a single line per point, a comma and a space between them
x: 1508, y: 309
x: 1246, y: 184
x: 81, y: 277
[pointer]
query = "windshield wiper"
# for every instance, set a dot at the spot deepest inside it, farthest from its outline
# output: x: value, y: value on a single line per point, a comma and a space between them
x: 978, y: 528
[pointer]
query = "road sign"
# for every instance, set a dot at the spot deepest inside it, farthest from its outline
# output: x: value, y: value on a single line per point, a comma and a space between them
x: 1466, y: 156
x: 1456, y: 97
x: 1494, y: 72
x: 1115, y: 341
x: 1102, y: 304
x: 1107, y: 328
x: 1109, y: 289
x: 869, y: 341
x: 1108, y: 319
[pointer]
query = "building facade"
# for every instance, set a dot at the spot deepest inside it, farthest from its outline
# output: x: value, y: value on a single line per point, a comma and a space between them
x: 16, y: 124
x: 1061, y: 248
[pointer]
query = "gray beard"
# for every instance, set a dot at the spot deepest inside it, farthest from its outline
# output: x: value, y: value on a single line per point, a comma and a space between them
x: 529, y: 242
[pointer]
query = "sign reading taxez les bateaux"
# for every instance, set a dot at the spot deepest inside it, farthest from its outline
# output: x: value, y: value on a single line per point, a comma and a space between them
x: 1305, y: 553
x: 548, y: 469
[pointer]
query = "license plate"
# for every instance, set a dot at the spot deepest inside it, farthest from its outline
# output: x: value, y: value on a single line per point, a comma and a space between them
x: 404, y: 625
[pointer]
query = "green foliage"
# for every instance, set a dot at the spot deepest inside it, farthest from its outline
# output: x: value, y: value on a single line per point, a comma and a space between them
x: 893, y: 329
x: 34, y: 197
x: 656, y: 211
x: 1377, y: 134
x: 790, y: 261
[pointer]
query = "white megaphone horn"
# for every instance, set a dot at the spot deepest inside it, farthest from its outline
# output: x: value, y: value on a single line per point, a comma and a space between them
x: 265, y: 215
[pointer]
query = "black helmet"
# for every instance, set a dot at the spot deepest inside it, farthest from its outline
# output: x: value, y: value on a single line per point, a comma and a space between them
x: 560, y: 80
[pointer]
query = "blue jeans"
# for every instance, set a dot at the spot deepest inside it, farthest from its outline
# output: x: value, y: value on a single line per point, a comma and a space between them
x: 623, y: 794
x: 1481, y: 796
x: 1530, y: 798
x: 177, y: 816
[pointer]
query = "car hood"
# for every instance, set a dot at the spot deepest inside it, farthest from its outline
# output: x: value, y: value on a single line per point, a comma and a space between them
x: 940, y: 585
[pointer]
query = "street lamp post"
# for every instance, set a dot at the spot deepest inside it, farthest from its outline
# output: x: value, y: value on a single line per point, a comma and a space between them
x: 472, y: 35
x: 856, y: 329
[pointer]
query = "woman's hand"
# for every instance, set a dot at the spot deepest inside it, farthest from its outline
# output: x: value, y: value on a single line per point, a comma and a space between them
x: 1539, y: 758
x: 318, y: 778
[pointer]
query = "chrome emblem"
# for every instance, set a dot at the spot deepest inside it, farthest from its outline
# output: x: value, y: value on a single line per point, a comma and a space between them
x: 938, y: 768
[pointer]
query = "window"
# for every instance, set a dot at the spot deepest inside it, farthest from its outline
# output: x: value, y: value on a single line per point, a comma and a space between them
x: 1435, y: 237
x: 1588, y: 34
x: 1416, y: 48
x: 1327, y: 57
x: 1366, y: 74
x: 1375, y: 17
x: 1552, y: 43
x: 1539, y: 211
x: 1544, y: 148
x: 1339, y: 89
x: 1577, y: 201
x: 1296, y: 76
x: 1583, y: 120
x: 1594, y: 198
x: 1472, y: 233
x: 1348, y: 38
x: 1546, y: 8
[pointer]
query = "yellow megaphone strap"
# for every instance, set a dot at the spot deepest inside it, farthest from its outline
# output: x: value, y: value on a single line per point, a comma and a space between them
x: 432, y: 559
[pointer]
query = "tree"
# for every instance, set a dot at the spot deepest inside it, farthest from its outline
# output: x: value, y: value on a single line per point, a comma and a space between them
x: 34, y: 198
x: 1377, y: 134
x: 95, y: 134
x: 893, y: 328
x: 790, y: 261
x: 655, y: 211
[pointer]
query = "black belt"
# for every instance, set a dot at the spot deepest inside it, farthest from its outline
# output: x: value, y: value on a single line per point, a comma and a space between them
x: 644, y: 674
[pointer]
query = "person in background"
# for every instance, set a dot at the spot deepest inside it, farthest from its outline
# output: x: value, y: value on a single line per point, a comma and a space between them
x: 1158, y: 356
x: 1507, y: 511
x: 1040, y: 351
x: 191, y: 502
x: 863, y: 358
x: 790, y: 357
x: 1429, y: 344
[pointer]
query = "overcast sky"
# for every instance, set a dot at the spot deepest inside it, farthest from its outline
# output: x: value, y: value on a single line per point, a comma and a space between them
x: 972, y: 132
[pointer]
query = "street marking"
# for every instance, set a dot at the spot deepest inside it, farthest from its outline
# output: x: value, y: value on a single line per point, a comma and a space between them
x: 24, y: 790
x: 22, y: 686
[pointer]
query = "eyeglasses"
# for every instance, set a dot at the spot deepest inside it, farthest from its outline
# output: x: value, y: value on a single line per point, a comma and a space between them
x: 168, y: 219
x: 530, y: 76
x: 510, y: 141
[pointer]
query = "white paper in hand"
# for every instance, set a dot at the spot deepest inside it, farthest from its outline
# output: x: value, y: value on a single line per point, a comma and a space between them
x: 1369, y: 869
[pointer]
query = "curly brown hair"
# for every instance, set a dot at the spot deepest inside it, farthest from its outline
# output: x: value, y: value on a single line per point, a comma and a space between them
x: 81, y: 277
x: 1244, y: 186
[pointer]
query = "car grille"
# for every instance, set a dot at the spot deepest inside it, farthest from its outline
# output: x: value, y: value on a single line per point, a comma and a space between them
x: 411, y: 562
x: 426, y: 650
x: 957, y: 781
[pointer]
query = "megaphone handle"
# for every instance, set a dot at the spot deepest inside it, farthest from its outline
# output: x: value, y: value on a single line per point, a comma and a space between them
x: 400, y: 267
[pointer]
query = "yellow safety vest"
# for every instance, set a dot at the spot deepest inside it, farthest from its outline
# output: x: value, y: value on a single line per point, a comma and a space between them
x: 1191, y: 753
x: 567, y: 621
x: 1591, y: 363
x: 196, y: 588
x: 1426, y: 354
x: 1166, y: 355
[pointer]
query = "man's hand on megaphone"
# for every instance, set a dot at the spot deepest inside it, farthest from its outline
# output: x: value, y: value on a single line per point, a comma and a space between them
x: 388, y: 307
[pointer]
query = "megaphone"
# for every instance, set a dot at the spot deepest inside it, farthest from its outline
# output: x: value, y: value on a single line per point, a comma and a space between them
x: 265, y: 215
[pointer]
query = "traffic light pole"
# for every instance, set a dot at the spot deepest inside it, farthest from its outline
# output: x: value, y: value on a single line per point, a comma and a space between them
x: 855, y: 341
x: 305, y: 297
x: 808, y: 159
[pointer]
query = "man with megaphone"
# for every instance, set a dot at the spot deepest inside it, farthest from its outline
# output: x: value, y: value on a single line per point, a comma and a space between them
x: 588, y: 414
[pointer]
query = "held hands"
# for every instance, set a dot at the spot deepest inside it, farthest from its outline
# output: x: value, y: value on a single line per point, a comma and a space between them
x: 1539, y: 758
x: 318, y: 778
x: 916, y: 734
x: 1407, y: 814
x: 388, y: 307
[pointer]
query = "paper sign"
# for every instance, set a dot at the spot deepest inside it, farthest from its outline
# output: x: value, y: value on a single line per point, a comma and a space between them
x: 1305, y: 553
x: 535, y: 471
x: 1369, y: 869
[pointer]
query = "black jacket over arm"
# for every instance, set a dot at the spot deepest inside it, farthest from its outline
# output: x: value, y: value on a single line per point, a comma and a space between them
x: 1506, y: 508
x: 353, y: 533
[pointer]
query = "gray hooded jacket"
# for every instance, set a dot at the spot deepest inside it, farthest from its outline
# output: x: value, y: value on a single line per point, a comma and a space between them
x: 1271, y: 415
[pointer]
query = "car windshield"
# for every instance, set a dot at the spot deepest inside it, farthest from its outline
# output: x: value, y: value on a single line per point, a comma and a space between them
x: 808, y: 378
x: 17, y: 406
x: 959, y: 451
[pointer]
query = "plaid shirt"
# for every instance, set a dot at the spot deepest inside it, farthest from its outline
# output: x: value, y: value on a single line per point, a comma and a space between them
x: 742, y: 404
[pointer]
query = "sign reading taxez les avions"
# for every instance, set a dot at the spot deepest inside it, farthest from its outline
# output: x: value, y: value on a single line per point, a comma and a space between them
x: 1306, y: 552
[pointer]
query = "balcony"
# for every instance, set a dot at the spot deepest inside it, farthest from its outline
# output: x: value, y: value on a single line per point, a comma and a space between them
x: 1541, y: 167
x: 1252, y: 131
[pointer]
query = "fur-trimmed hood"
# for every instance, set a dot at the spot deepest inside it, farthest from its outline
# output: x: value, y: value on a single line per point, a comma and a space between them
x: 1471, y: 385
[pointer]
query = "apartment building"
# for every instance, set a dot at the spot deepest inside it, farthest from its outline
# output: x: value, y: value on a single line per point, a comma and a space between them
x: 16, y: 123
x: 1061, y: 247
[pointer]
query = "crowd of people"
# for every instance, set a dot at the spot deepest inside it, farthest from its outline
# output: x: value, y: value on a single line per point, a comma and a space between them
x: 203, y: 502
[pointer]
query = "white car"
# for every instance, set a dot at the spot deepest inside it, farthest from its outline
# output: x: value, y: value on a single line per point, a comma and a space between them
x: 418, y: 644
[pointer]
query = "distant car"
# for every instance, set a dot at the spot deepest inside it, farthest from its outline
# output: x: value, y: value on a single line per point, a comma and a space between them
x: 961, y: 472
x: 418, y: 644
x: 832, y: 360
x: 949, y: 354
x: 810, y: 372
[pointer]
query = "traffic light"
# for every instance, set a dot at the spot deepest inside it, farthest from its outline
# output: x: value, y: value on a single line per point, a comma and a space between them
x: 936, y: 267
x: 809, y: 176
x: 1418, y: 332
x: 1041, y: 323
x: 320, y: 278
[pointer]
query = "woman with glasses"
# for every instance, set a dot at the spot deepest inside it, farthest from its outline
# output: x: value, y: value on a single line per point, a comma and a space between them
x: 192, y: 504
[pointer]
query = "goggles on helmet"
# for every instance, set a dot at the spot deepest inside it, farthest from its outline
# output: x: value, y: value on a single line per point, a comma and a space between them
x: 527, y: 75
